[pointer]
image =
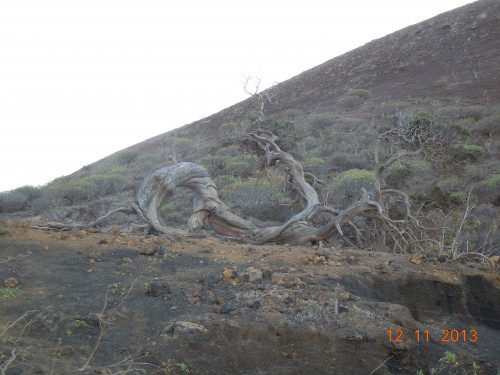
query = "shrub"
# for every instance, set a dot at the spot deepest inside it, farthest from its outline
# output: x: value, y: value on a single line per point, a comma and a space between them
x: 17, y: 199
x: 172, y: 214
x: 442, y: 198
x: 353, y: 98
x: 341, y: 161
x: 126, y: 157
x: 488, y: 126
x: 12, y: 201
x: 442, y: 81
x: 469, y: 152
x: 397, y: 176
x: 85, y: 188
x: 284, y: 130
x: 44, y: 203
x: 7, y: 293
x: 256, y: 198
x: 148, y: 162
x: 225, y: 180
x: 345, y: 188
x: 388, y: 109
x: 243, y: 165
x: 307, y: 144
x: 489, y: 190
x: 32, y: 192
x: 321, y: 122
x: 213, y: 163
x: 474, y: 112
x: 293, y: 114
x: 314, y: 165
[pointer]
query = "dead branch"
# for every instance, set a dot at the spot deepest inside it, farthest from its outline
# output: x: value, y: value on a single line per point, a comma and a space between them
x: 103, y: 317
x: 67, y: 227
x: 477, y: 256
x: 4, y: 366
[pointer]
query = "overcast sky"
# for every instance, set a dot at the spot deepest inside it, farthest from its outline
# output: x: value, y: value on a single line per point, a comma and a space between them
x: 82, y: 79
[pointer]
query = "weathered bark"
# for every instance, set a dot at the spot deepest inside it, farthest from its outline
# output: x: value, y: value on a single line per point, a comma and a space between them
x: 66, y: 227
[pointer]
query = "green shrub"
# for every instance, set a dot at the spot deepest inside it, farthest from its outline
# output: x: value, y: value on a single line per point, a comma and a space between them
x: 17, y: 199
x: 256, y: 198
x: 488, y: 191
x: 86, y: 188
x: 345, y: 188
x: 242, y: 165
x: 7, y: 293
x: 397, y: 176
x: 314, y: 165
x: 127, y: 157
x: 12, y: 201
x: 213, y: 163
x: 342, y: 161
x: 388, y: 109
x: 172, y: 213
x: 474, y: 112
x: 442, y: 198
x: 321, y: 121
x: 442, y: 81
x: 469, y: 152
x: 293, y: 114
x: 353, y: 98
x: 284, y: 130
x: 224, y: 180
x: 488, y: 126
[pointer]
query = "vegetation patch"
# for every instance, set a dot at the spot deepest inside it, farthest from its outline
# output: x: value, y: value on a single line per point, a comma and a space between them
x: 353, y: 98
x: 8, y: 293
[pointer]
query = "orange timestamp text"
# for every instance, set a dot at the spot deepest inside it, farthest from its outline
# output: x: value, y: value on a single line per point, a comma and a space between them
x: 447, y: 335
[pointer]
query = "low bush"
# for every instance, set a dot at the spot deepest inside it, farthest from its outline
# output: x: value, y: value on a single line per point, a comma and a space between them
x: 388, y: 109
x: 18, y: 199
x: 488, y: 126
x: 398, y: 176
x: 442, y: 81
x: 353, y: 98
x: 85, y: 188
x: 12, y: 201
x: 320, y: 122
x: 315, y: 165
x: 474, y: 112
x: 256, y: 198
x: 243, y: 165
x: 345, y: 188
x: 469, y: 152
x: 127, y: 157
x: 441, y: 198
x: 488, y: 191
x: 342, y: 161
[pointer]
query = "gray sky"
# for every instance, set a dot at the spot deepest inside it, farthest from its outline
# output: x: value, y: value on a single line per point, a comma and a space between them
x: 81, y: 79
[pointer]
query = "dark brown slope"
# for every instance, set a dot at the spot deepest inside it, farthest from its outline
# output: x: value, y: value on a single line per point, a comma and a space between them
x: 454, y: 56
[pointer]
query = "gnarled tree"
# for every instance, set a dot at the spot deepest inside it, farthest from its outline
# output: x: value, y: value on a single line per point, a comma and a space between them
x: 209, y: 208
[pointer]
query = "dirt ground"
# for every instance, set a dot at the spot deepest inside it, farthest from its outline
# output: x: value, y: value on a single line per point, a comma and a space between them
x: 118, y: 303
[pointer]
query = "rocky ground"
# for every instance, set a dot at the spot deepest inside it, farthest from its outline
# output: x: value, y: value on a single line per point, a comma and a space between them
x: 117, y: 303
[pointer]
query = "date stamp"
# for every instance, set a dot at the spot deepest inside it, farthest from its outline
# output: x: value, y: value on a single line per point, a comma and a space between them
x: 447, y: 335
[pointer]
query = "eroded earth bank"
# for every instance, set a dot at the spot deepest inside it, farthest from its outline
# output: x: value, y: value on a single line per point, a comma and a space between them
x: 117, y: 303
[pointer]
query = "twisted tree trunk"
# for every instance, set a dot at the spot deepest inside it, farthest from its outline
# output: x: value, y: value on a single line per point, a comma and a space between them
x: 208, y: 207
